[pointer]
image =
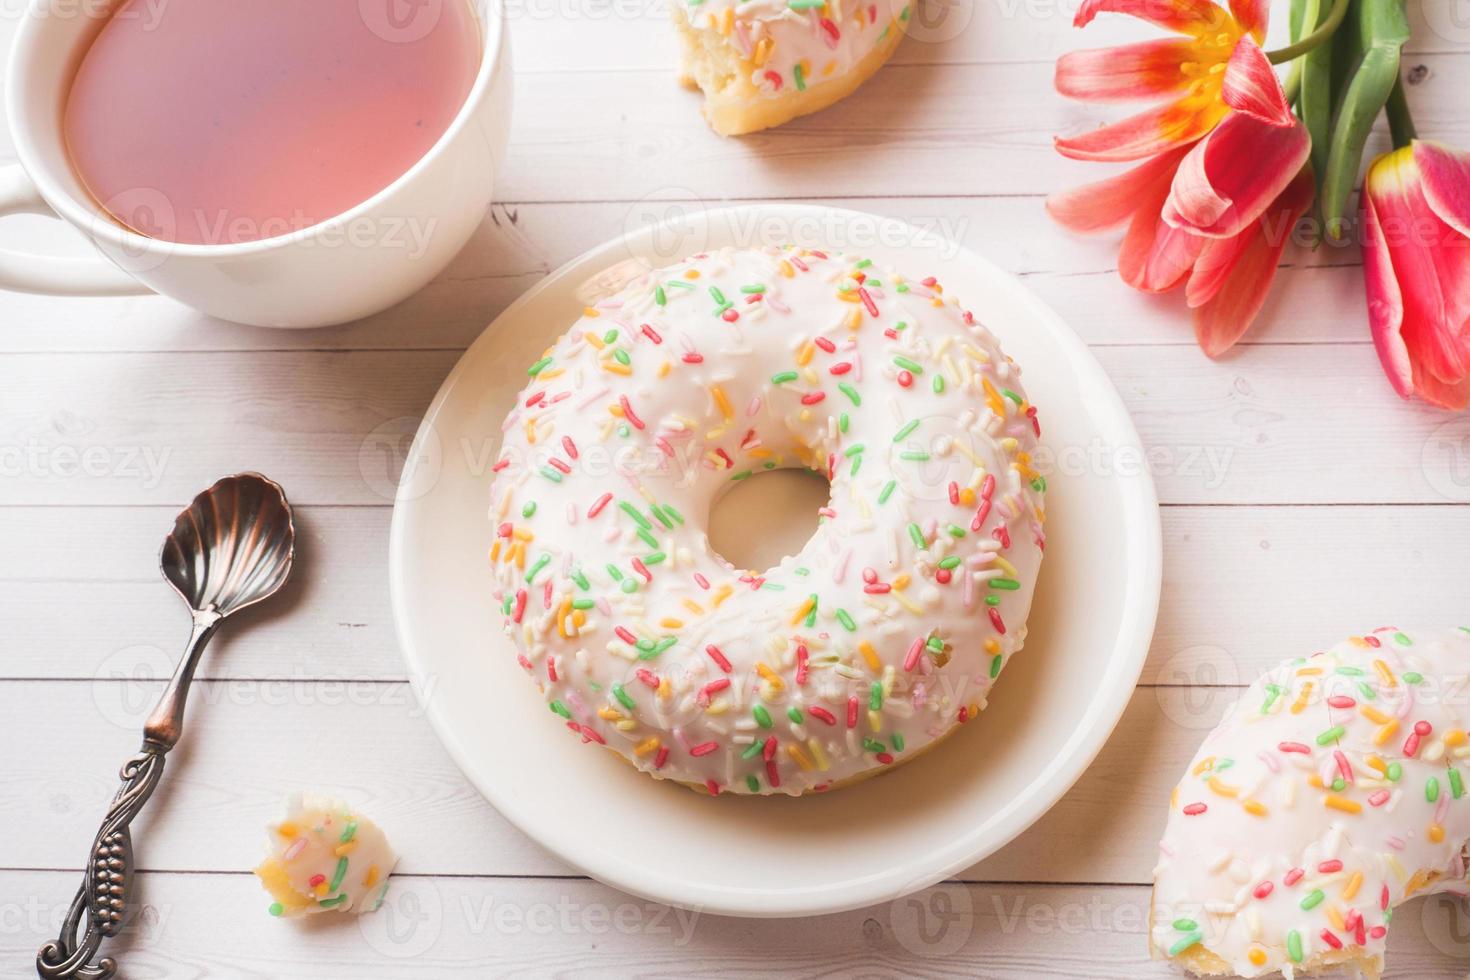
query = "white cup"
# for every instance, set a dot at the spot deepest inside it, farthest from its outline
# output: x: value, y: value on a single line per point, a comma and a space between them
x: 349, y: 266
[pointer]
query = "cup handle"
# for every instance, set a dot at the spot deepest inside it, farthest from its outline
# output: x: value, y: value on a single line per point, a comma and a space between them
x: 56, y: 275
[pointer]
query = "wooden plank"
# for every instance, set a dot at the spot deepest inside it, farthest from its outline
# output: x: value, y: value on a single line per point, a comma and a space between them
x: 250, y: 743
x: 1244, y: 587
x: 1289, y: 424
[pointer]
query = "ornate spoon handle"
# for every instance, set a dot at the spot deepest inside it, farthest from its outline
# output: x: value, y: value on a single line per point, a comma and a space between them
x: 103, y: 897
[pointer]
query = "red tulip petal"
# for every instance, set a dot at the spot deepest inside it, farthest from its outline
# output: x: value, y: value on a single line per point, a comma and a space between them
x: 1105, y: 203
x: 1385, y: 304
x: 1251, y: 86
x: 1181, y: 16
x: 1131, y: 71
x: 1142, y: 135
x: 1233, y: 174
x: 1154, y: 257
x: 1446, y: 177
x: 1454, y: 396
x: 1252, y: 16
x: 1430, y: 262
x: 1212, y: 269
x: 1248, y: 270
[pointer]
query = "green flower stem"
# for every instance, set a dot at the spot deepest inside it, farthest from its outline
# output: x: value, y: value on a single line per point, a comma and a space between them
x: 1400, y: 122
x: 1328, y: 27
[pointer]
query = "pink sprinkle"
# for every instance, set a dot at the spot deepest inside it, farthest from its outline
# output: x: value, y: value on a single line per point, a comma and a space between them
x: 1372, y: 641
x: 588, y: 734
x: 535, y: 397
x: 505, y: 530
x: 799, y: 264
x: 500, y: 465
x: 1263, y: 889
x: 703, y: 748
x: 1330, y: 867
x: 718, y: 657
x: 981, y: 512
x: 569, y: 446
x: 1379, y: 798
x: 868, y: 302
x: 1341, y: 701
x: 626, y: 635
x: 1422, y: 728
x: 559, y: 464
x: 954, y: 492
x: 597, y: 506
x: 801, y: 664
x: 823, y: 714
x: 701, y: 581
x: 852, y: 710
x: 628, y: 412
x: 880, y: 588
x: 642, y: 569
x: 1296, y: 747
x: 1378, y: 932
x: 1195, y: 809
x: 911, y: 659
x: 1343, y: 766
x: 833, y: 36
x: 297, y: 846
x: 1293, y: 876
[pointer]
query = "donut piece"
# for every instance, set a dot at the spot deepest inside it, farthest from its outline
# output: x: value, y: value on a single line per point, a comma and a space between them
x: 763, y: 62
x: 1333, y: 790
x: 325, y: 857
x: 885, y: 631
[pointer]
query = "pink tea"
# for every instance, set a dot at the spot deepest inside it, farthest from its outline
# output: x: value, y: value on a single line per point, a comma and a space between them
x: 223, y: 121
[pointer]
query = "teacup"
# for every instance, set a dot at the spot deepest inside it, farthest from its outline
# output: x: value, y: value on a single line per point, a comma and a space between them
x: 349, y: 266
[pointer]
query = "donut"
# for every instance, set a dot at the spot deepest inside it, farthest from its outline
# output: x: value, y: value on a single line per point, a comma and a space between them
x: 760, y: 63
x: 884, y: 632
x: 1333, y: 790
x: 324, y: 856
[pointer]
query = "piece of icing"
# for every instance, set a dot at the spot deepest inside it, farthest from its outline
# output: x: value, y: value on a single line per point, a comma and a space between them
x: 325, y: 856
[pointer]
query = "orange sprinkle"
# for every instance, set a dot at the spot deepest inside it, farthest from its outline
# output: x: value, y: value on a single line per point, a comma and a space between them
x: 1254, y: 808
x: 804, y: 356
x: 1257, y: 956
x: 1455, y: 737
x: 1335, y: 917
x: 1388, y: 679
x: 871, y: 656
x: 371, y: 878
x: 1436, y: 832
x: 646, y: 746
x: 1203, y: 764
x: 613, y: 367
x: 1386, y: 732
x: 592, y: 338
x: 803, y: 610
x: 1223, y: 789
x: 1377, y: 763
x: 798, y: 756
x: 590, y: 312
x: 288, y: 829
x: 769, y: 675
x: 758, y: 59
x: 1374, y: 715
x: 718, y: 393
x: 1302, y: 698
x: 1340, y: 803
x: 721, y: 594
x: 691, y: 273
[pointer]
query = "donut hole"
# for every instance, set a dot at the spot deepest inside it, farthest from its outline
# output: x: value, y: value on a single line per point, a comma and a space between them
x: 768, y: 517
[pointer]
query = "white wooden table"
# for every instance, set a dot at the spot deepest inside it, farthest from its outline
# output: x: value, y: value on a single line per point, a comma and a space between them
x: 1301, y: 501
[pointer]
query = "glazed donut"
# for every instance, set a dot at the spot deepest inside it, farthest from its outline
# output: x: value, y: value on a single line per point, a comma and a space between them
x: 1333, y: 790
x: 763, y: 62
x: 890, y: 625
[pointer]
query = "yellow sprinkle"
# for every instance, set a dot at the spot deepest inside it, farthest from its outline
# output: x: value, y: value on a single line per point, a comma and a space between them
x: 1309, y: 672
x: 832, y: 65
x: 1257, y: 956
x: 1358, y: 642
x: 1454, y: 737
x: 727, y: 20
x: 758, y: 59
x: 1223, y: 789
x: 721, y: 594
x: 1007, y: 567
x: 691, y: 273
x: 342, y: 850
x: 664, y: 368
x: 901, y: 581
x: 1302, y: 698
x: 718, y: 393
x: 669, y: 623
x: 1335, y: 917
x: 854, y: 319
x: 770, y: 676
x: 693, y: 607
x: 1203, y: 764
x: 993, y: 400
x: 495, y: 550
x: 589, y: 311
x: 804, y: 356
x: 288, y: 829
x: 902, y: 600
x: 818, y: 753
x: 787, y: 270
x: 805, y: 608
x: 1374, y: 715
x: 594, y: 340
x: 646, y: 746
x: 1254, y: 808
x: 871, y: 656
x: 798, y: 756
x: 1388, y: 679
x: 371, y: 878
x: 321, y: 888
x: 1376, y: 763
x: 1340, y: 803
x: 549, y: 374
x: 665, y: 689
x: 1351, y: 888
x: 1436, y: 832
x: 607, y: 713
x: 875, y: 720
x: 1386, y: 732
x: 613, y: 367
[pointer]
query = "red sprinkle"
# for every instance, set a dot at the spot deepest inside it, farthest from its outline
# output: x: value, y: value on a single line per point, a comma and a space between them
x: 628, y: 412
x: 315, y: 880
x: 1293, y: 876
x: 1195, y: 809
x: 1263, y: 889
x: 841, y: 367
x: 884, y: 758
x: 626, y: 635
x: 520, y: 607
x: 954, y: 492
x: 825, y: 344
x: 996, y: 621
x: 712, y: 786
x: 569, y: 446
x: 802, y: 668
x: 1330, y: 939
x: 588, y: 734
x: 661, y: 758
x: 693, y: 358
x: 730, y: 315
x: 648, y: 677
x: 768, y: 751
x: 597, y: 505
x: 651, y: 334
x: 835, y: 35
x: 868, y: 302
x: 505, y: 530
x: 535, y: 398
x: 718, y: 657
x: 852, y: 709
x: 775, y: 81
x: 981, y: 512
x: 905, y: 379
x: 811, y: 398
x: 1341, y: 701
x: 943, y: 576
x: 878, y: 588
x: 642, y: 569
x: 1297, y: 747
x: 1328, y: 867
x: 819, y: 712
x: 1378, y: 932
x: 551, y: 670
x: 559, y: 465
x: 773, y: 774
x: 500, y: 464
x: 1372, y: 640
x: 713, y: 687
x: 704, y: 748
x: 1383, y: 898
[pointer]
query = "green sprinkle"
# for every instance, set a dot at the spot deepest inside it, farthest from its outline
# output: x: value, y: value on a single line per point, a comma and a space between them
x: 887, y: 491
x: 678, y: 517
x: 583, y: 603
x: 1185, y: 942
x: 811, y: 615
x: 629, y: 586
x: 903, y: 433
x: 529, y: 509
x: 1350, y: 671
x: 610, y: 336
x: 903, y: 14
x: 954, y: 530
x: 1011, y: 395
x: 1313, y: 899
x: 718, y: 296
x: 1004, y: 584
x: 1331, y: 735
x: 1039, y: 484
x: 853, y: 450
x: 1186, y: 925
x: 621, y: 356
x: 551, y: 474
x: 561, y: 709
x: 659, y: 513
x: 1412, y: 677
x: 783, y: 377
x: 914, y: 454
x: 794, y: 713
x: 338, y: 874
x: 680, y: 283
x: 938, y: 384
x: 755, y: 287
x: 648, y: 539
x: 917, y: 536
x: 654, y: 558
x: 898, y: 741
x: 1273, y: 691
x: 332, y: 902
x: 912, y: 366
x: 873, y: 745
x: 1365, y: 689
x: 742, y: 475
x: 953, y: 561
x: 856, y: 465
x: 845, y: 618
x: 1457, y: 785
x: 753, y: 750
x: 934, y: 644
x: 1339, y: 784
x: 632, y: 512
x: 842, y: 422
x: 762, y: 716
x: 862, y: 263
x: 615, y: 572
x: 539, y: 564
x: 996, y: 663
x: 875, y: 697
x: 1294, y: 946
x: 992, y: 600
x: 1395, y: 772
x: 1431, y: 790
x: 1402, y: 639
x: 797, y: 75
x: 753, y: 783
x: 624, y: 698
x: 850, y: 392
x: 276, y: 908
x: 659, y: 296
x: 538, y: 367
x: 348, y: 832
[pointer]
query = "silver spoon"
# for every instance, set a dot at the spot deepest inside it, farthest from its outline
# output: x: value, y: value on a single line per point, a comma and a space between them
x: 231, y: 548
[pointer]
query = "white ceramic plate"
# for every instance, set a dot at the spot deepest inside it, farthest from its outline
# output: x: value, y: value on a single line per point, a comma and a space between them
x: 778, y: 856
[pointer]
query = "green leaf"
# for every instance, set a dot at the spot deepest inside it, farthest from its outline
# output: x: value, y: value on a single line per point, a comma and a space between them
x: 1316, y: 95
x: 1382, y: 30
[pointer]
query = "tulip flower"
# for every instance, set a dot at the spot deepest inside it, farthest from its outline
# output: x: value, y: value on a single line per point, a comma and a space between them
x: 1416, y: 266
x: 1215, y: 201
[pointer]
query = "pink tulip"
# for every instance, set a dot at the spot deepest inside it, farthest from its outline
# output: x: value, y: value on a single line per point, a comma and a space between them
x: 1416, y: 266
